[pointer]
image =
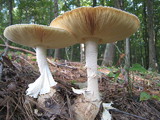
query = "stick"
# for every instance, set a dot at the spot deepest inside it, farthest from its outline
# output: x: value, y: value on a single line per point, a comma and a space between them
x: 116, y: 110
x: 117, y: 48
x: 69, y: 107
x: 20, y: 49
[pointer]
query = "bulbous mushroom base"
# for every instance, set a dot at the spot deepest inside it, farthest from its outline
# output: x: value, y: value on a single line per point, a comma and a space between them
x: 85, y: 109
x: 42, y: 84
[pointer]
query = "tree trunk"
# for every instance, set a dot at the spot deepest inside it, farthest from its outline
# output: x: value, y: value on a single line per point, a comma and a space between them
x: 151, y: 36
x: 10, y: 12
x: 82, y: 46
x: 94, y: 3
x: 10, y: 23
x: 127, y: 53
x: 156, y: 43
x: 109, y: 55
x: 71, y: 55
x: 127, y: 66
x: 119, y: 4
x: 82, y: 52
x: 78, y: 3
x: 55, y: 8
x: 145, y: 37
x: 57, y: 52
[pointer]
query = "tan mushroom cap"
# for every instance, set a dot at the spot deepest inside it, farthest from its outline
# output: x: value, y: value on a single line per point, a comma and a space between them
x: 34, y: 35
x: 104, y: 23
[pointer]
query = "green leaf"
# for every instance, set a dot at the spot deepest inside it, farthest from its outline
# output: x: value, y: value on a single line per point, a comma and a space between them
x: 111, y: 74
x: 158, y: 84
x: 117, y: 75
x: 33, y: 59
x: 29, y: 55
x: 144, y: 96
x: 73, y: 82
x: 156, y: 97
x: 138, y: 67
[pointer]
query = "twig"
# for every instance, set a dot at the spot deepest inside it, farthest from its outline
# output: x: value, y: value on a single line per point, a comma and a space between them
x: 116, y: 110
x: 69, y: 107
x: 7, y: 116
x: 20, y: 49
x: 25, y: 61
x: 13, y: 112
x: 60, y: 65
x: 117, y: 48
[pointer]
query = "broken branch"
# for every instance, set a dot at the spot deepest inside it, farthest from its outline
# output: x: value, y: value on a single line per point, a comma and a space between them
x: 20, y: 49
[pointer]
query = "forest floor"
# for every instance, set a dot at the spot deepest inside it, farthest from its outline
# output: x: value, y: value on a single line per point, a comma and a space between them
x: 19, y: 69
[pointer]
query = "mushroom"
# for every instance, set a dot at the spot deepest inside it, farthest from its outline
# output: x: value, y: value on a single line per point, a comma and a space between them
x: 93, y: 26
x: 40, y: 37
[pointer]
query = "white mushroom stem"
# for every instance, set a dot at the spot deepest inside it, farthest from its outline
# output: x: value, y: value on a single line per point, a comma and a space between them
x: 45, y: 81
x: 91, y: 64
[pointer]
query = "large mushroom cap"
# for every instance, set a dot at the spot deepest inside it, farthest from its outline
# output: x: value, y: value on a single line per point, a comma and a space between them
x: 34, y: 35
x: 104, y: 23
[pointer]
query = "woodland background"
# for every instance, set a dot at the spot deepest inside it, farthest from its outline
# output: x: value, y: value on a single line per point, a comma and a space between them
x: 133, y: 89
x: 143, y: 47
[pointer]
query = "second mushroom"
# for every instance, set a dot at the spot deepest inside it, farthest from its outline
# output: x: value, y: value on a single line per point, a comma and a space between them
x: 40, y: 37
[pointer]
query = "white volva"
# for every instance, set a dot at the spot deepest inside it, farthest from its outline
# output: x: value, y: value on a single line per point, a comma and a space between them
x: 45, y: 81
x: 106, y: 115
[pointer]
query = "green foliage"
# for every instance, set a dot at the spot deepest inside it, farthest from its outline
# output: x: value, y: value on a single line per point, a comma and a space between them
x: 32, y: 11
x: 156, y: 97
x: 33, y: 59
x: 18, y: 53
x: 86, y: 3
x: 144, y: 96
x: 30, y: 55
x: 73, y: 82
x: 158, y: 84
x: 115, y: 75
x: 114, y: 72
x: 138, y: 68
x: 10, y: 56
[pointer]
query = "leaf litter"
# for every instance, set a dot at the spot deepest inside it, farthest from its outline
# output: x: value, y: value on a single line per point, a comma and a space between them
x: 20, y: 70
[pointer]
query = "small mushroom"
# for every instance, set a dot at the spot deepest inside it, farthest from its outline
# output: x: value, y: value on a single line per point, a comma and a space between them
x: 40, y: 37
x: 93, y: 26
